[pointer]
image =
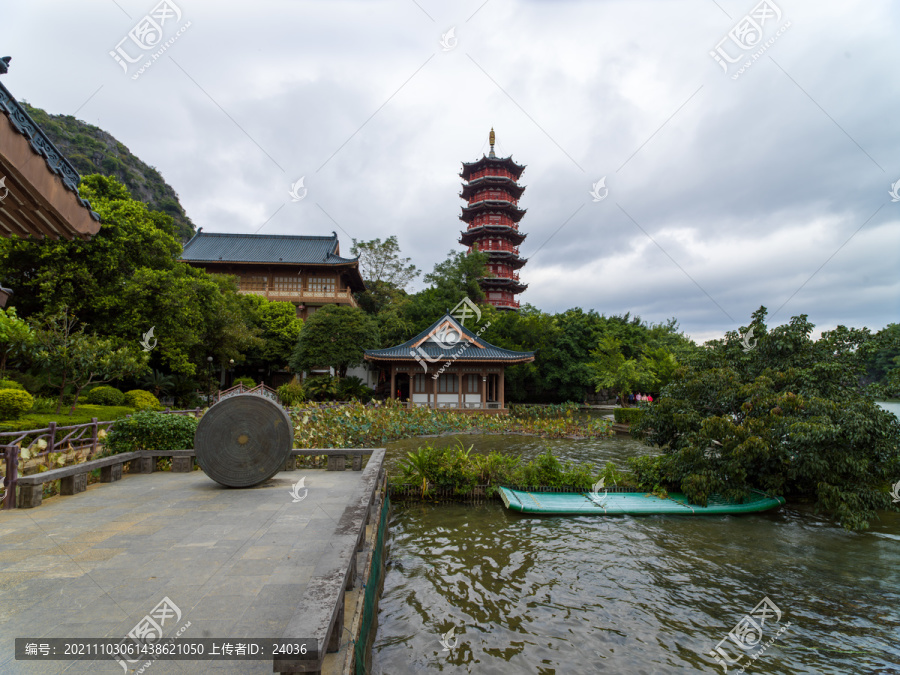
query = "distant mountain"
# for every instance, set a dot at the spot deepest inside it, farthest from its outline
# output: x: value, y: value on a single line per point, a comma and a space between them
x: 92, y: 150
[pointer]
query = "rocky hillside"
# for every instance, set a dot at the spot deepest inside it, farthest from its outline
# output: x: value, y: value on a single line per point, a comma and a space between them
x: 92, y: 150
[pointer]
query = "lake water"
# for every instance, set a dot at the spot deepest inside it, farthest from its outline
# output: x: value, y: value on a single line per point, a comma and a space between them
x: 893, y: 406
x: 651, y: 594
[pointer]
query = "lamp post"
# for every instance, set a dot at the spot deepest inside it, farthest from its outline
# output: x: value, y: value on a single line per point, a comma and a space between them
x: 209, y: 361
x: 231, y: 368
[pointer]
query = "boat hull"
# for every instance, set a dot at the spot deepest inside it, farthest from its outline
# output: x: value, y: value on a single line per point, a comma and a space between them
x: 629, y: 503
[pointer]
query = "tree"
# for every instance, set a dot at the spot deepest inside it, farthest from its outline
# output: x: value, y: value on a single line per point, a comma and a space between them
x: 883, y: 363
x: 194, y: 315
x: 280, y: 331
x: 788, y: 416
x: 79, y: 359
x: 457, y: 276
x: 380, y: 262
x: 87, y: 276
x: 613, y: 371
x: 16, y: 338
x: 335, y: 336
x: 127, y: 279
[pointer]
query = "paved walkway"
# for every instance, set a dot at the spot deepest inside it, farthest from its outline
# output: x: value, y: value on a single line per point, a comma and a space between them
x: 234, y: 562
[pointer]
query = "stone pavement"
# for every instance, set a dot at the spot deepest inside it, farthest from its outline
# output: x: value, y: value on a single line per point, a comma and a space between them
x: 235, y: 562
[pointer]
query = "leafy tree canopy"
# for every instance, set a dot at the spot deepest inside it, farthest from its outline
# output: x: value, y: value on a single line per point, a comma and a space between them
x: 335, y: 336
x: 788, y: 416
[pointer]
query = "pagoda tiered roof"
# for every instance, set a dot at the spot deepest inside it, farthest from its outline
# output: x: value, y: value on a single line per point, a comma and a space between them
x: 472, y: 235
x: 509, y: 258
x: 487, y: 162
x: 486, y: 182
x: 502, y: 284
x: 497, y: 206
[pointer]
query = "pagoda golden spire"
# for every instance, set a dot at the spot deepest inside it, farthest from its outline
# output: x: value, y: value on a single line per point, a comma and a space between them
x: 492, y: 138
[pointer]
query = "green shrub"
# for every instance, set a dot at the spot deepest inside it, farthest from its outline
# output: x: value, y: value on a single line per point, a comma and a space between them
x: 627, y: 415
x: 320, y: 388
x: 651, y: 473
x: 142, y: 400
x: 291, y: 393
x: 10, y: 384
x: 149, y: 430
x: 14, y: 402
x: 105, y: 395
x: 246, y: 381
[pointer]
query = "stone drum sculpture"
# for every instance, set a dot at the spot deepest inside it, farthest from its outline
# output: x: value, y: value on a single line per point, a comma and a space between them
x: 243, y: 440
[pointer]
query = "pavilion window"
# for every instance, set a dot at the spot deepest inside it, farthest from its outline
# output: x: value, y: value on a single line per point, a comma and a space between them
x: 321, y: 285
x: 292, y: 284
x: 447, y: 384
x: 419, y: 384
x: 253, y: 283
x: 472, y: 384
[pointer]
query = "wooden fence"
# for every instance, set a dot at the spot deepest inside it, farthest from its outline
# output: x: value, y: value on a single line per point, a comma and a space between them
x: 74, y: 438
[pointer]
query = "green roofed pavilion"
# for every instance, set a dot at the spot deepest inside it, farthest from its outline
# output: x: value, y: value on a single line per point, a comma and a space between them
x: 448, y: 366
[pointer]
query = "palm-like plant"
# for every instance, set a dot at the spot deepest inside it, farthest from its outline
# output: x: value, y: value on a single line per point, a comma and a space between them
x: 158, y: 382
x: 353, y: 387
x: 417, y: 467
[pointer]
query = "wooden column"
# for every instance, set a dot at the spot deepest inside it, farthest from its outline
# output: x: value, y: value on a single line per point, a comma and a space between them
x: 393, y: 380
x: 434, y: 389
x: 483, y: 390
x: 502, y: 387
x: 459, y: 384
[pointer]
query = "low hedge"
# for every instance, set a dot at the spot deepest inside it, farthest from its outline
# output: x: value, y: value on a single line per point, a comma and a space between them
x: 627, y: 415
x: 246, y: 381
x: 10, y: 384
x: 150, y: 430
x: 82, y: 415
x: 105, y: 395
x: 140, y: 399
x: 14, y: 403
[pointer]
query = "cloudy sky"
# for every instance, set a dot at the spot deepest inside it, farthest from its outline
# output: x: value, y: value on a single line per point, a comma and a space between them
x: 725, y: 188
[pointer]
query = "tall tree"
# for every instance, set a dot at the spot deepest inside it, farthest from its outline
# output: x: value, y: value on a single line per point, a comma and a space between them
x: 335, y: 336
x: 380, y: 262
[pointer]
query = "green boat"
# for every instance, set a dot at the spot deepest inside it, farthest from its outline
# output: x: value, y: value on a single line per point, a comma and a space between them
x: 630, y: 503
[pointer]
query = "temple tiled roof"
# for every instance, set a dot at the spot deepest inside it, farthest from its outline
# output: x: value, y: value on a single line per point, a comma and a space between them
x: 264, y: 248
x: 56, y: 162
x: 452, y: 349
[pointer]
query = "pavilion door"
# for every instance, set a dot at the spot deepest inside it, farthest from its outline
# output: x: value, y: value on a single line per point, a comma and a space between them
x: 402, y: 387
x: 492, y: 392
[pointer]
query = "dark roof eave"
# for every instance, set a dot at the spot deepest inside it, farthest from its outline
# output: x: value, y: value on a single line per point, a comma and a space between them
x: 410, y: 359
x: 41, y: 144
x: 350, y: 264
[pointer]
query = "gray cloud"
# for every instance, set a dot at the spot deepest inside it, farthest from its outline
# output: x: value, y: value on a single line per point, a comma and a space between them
x: 749, y: 187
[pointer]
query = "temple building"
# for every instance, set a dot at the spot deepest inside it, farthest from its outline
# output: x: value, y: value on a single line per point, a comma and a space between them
x: 447, y: 366
x: 492, y: 217
x: 305, y: 270
x: 37, y: 198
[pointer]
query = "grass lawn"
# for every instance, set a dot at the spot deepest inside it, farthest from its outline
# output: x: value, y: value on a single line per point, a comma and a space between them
x: 82, y: 415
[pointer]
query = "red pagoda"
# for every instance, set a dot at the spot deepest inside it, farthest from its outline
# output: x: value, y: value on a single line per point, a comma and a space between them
x: 492, y: 215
